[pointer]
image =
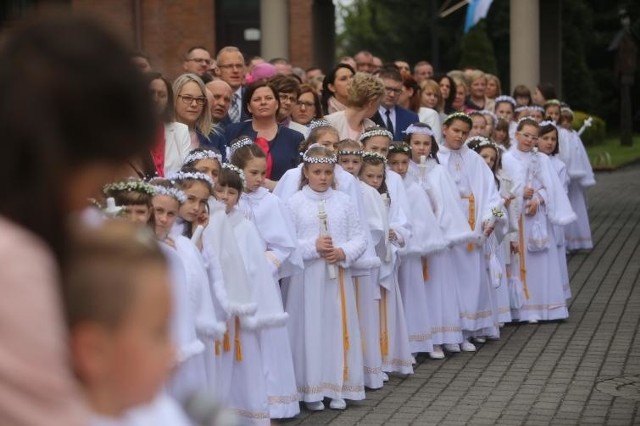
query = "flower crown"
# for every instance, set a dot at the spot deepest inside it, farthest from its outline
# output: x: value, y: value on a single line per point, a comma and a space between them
x: 400, y: 148
x: 192, y: 157
x: 458, y: 116
x: 491, y: 114
x: 552, y: 102
x: 180, y: 176
x: 418, y: 130
x: 376, y: 132
x: 236, y: 169
x: 374, y: 156
x: 350, y: 152
x: 527, y: 118
x: 567, y: 109
x: 521, y: 108
x: 131, y: 185
x: 506, y: 98
x: 170, y: 192
x: 547, y: 123
x: 306, y: 158
x: 239, y: 143
x: 535, y: 108
x: 318, y: 122
x: 482, y: 142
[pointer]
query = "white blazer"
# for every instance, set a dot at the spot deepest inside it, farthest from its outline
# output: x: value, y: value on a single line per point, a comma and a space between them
x: 177, y: 144
x: 432, y: 118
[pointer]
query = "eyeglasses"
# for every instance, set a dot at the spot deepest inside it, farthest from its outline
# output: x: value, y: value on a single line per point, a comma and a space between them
x: 284, y: 97
x: 305, y: 104
x: 529, y: 137
x: 200, y: 60
x: 188, y: 99
x: 231, y: 66
x: 393, y: 90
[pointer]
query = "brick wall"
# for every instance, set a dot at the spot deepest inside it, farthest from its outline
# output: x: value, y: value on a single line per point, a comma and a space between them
x: 300, y: 33
x: 169, y: 27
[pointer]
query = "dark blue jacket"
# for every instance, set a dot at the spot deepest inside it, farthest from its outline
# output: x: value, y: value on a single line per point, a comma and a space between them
x: 284, y: 148
x: 404, y: 118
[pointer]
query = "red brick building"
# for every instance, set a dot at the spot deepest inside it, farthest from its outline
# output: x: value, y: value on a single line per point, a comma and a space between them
x: 301, y: 30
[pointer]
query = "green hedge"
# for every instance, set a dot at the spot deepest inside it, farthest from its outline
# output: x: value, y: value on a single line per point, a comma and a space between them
x: 593, y: 135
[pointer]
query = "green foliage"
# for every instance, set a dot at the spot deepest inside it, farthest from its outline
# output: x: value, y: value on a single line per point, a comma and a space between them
x: 593, y: 135
x: 611, y: 149
x: 477, y: 50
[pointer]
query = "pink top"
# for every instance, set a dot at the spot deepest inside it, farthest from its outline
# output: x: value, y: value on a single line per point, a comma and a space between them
x: 36, y: 384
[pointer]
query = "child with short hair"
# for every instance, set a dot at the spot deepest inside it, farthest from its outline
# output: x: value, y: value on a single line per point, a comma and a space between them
x: 479, y: 126
x: 118, y: 305
x: 477, y: 197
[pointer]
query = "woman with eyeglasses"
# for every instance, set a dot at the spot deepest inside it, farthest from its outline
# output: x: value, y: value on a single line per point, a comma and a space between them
x: 307, y: 108
x: 191, y: 107
x: 262, y: 102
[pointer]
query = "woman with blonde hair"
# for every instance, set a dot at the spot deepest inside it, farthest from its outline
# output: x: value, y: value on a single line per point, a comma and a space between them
x: 191, y: 107
x: 494, y: 88
x: 363, y: 99
x: 476, y: 98
x: 431, y: 110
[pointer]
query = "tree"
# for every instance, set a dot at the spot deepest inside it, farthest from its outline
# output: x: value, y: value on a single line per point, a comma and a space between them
x: 477, y: 50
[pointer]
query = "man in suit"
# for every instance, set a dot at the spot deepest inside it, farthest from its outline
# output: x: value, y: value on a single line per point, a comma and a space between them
x: 395, y: 118
x: 231, y: 69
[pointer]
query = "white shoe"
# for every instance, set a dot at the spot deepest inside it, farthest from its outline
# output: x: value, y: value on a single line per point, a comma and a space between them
x: 385, y: 377
x: 413, y: 360
x: 316, y: 406
x: 436, y: 353
x: 467, y: 346
x: 452, y: 347
x: 480, y: 339
x: 533, y: 321
x: 338, y: 404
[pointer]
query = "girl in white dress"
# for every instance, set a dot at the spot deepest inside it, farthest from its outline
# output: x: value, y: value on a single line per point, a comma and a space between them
x: 497, y: 246
x: 367, y: 268
x: 267, y: 211
x: 394, y: 338
x: 578, y: 233
x: 205, y: 161
x: 548, y: 144
x: 426, y: 238
x: 505, y: 109
x: 477, y: 195
x: 270, y: 319
x: 441, y: 285
x: 544, y: 204
x: 321, y: 303
x: 135, y: 198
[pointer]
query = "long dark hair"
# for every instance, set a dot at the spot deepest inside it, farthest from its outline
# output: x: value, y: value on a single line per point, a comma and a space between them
x: 331, y: 79
x: 71, y: 97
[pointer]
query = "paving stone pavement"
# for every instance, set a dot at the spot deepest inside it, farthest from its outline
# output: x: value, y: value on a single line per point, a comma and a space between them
x: 583, y: 371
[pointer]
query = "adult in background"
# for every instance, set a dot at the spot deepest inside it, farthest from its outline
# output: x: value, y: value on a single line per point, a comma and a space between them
x: 365, y: 93
x: 403, y: 67
x: 494, y: 88
x: 221, y: 94
x: 191, y: 107
x: 283, y: 66
x: 51, y: 169
x: 448, y: 91
x: 543, y: 93
x: 172, y: 141
x: 476, y: 98
x: 142, y: 61
x: 231, y: 69
x: 422, y: 71
x: 288, y: 89
x: 307, y: 108
x: 389, y: 115
x: 335, y: 88
x: 364, y: 61
x: 279, y: 143
x: 197, y: 61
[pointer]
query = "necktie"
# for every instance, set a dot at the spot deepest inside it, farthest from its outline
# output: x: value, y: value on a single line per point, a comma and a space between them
x: 234, y: 110
x: 389, y: 123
